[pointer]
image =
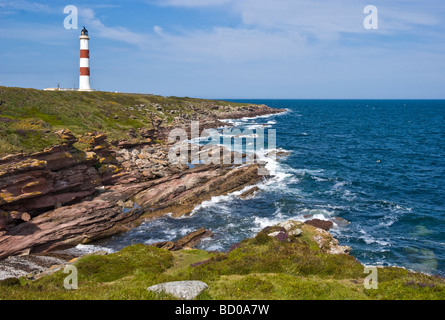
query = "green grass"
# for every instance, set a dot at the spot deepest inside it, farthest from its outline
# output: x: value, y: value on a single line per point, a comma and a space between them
x: 29, y: 117
x: 260, y: 268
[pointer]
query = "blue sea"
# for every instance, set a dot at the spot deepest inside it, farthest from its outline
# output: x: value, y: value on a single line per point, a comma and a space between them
x: 379, y: 164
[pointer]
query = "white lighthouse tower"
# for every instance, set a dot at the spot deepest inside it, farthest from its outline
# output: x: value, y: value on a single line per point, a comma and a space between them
x: 84, y: 78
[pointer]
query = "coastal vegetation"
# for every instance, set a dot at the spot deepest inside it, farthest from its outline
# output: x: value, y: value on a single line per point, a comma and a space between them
x: 262, y: 267
x: 29, y: 118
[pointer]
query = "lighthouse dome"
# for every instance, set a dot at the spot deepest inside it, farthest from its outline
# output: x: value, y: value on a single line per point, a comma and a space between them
x: 84, y: 32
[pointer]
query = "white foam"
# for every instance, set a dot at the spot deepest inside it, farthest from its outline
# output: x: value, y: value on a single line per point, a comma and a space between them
x: 261, y: 223
x: 320, y: 179
x: 259, y: 117
x: 388, y: 221
x: 8, y: 272
x: 154, y: 240
x: 88, y: 248
x: 321, y: 214
x: 340, y: 185
x: 368, y: 239
x: 212, y: 247
x: 244, y: 119
x: 348, y: 195
x: 216, y: 201
x: 306, y: 171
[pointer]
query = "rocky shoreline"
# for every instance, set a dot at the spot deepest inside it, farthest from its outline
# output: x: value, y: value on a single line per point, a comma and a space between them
x: 60, y: 197
x: 292, y: 260
x: 91, y: 185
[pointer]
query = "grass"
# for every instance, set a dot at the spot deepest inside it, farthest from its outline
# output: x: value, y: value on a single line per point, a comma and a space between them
x: 260, y: 268
x: 29, y: 117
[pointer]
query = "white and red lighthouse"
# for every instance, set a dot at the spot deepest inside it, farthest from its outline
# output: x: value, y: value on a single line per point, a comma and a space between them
x: 84, y: 78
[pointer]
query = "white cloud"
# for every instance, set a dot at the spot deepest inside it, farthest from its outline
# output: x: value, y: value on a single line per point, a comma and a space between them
x: 233, y: 45
x: 192, y: 3
x: 116, y: 33
x: 26, y: 6
x: 158, y: 30
x: 325, y: 19
x: 279, y: 30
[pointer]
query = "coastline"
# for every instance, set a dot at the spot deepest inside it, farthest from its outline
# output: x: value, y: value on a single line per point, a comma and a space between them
x: 99, y: 183
x: 288, y: 261
x: 129, y: 181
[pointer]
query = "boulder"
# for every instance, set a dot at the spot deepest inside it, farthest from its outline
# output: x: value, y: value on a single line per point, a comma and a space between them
x: 189, y: 241
x: 10, y: 219
x: 67, y: 135
x: 185, y: 290
x: 327, y: 243
x: 249, y: 192
x: 20, y: 216
x: 278, y: 153
x: 284, y: 230
x: 340, y: 221
x: 321, y: 224
x: 290, y: 225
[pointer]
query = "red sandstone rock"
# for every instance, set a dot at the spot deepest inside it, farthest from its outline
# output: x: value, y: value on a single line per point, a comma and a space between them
x: 102, y: 216
x: 188, y: 241
x: 40, y: 183
x: 322, y: 224
x: 249, y: 192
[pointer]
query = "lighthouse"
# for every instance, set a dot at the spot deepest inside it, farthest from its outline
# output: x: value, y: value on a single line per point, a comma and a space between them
x: 84, y: 78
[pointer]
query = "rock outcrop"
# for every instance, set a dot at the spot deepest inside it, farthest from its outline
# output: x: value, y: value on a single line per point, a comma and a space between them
x: 67, y: 194
x: 189, y: 241
x: 328, y: 243
x: 184, y: 290
x: 108, y: 213
x: 245, y: 111
x: 45, y: 180
x: 288, y: 230
x: 249, y: 193
x: 36, y: 266
x: 322, y: 224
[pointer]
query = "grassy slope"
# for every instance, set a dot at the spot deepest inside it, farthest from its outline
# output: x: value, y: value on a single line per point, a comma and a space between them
x: 29, y: 117
x: 260, y: 268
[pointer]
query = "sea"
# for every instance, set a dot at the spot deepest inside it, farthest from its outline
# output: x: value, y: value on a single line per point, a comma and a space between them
x: 376, y: 168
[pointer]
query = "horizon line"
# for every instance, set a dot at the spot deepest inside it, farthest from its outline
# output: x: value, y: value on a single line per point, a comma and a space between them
x: 207, y: 98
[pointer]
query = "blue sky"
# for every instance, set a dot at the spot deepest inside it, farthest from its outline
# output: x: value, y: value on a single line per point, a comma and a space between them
x: 230, y: 48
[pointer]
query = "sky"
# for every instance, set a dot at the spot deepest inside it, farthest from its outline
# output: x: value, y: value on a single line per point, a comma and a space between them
x: 231, y: 49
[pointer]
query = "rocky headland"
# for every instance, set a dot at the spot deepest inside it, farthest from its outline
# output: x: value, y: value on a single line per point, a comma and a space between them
x: 87, y: 187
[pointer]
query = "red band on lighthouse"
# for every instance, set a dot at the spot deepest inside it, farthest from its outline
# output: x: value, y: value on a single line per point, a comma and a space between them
x: 84, y: 71
x: 85, y: 53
